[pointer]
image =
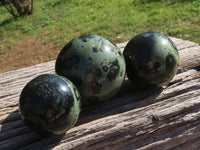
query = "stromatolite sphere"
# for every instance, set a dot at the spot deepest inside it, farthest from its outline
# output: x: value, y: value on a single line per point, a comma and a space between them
x: 152, y: 60
x: 50, y: 104
x: 95, y: 65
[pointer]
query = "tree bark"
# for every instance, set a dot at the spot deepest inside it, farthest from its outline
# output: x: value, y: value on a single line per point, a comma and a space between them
x: 19, y: 7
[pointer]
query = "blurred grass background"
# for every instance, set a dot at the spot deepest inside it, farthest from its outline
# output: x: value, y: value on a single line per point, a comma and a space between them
x: 39, y: 37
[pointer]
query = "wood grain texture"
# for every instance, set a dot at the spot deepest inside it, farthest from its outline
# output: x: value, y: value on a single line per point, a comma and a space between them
x: 135, y: 119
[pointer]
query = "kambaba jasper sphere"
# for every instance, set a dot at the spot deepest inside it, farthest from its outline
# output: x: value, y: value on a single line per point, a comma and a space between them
x: 95, y: 65
x: 152, y: 60
x: 50, y: 104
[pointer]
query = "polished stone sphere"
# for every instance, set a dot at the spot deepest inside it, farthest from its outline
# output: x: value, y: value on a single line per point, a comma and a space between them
x: 152, y: 60
x: 95, y: 65
x: 50, y: 104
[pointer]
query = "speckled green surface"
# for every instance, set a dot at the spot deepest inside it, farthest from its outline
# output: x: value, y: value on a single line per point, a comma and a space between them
x: 152, y: 59
x: 95, y: 65
x: 50, y: 104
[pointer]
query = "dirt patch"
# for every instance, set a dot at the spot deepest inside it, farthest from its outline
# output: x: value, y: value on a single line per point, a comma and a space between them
x: 27, y: 52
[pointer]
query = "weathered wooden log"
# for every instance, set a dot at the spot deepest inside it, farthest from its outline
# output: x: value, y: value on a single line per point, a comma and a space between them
x: 135, y: 119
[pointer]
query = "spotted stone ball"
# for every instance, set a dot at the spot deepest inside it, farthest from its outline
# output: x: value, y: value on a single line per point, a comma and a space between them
x: 50, y: 104
x: 95, y: 65
x: 152, y: 60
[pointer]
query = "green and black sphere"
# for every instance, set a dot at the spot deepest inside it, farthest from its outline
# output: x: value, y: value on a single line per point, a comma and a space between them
x: 152, y: 60
x: 50, y: 104
x: 95, y: 65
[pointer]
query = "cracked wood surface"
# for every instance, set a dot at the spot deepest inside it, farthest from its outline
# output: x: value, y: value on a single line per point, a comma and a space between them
x: 150, y: 119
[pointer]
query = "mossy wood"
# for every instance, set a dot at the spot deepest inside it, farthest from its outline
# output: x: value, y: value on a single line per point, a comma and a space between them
x: 135, y: 119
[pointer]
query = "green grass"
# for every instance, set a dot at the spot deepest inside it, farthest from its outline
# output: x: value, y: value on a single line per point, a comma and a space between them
x: 59, y: 21
x: 117, y: 20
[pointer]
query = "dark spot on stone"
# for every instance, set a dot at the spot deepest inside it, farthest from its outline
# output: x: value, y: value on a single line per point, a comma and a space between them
x: 111, y: 75
x: 170, y: 62
x: 85, y: 38
x: 82, y: 46
x: 102, y: 42
x: 121, y: 73
x: 98, y: 72
x: 90, y: 59
x: 89, y: 36
x: 68, y: 104
x: 101, y: 50
x: 95, y: 50
x: 109, y: 63
x: 115, y: 62
x: 96, y: 87
x: 71, y: 61
x: 113, y: 70
x: 119, y: 53
x: 105, y: 68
